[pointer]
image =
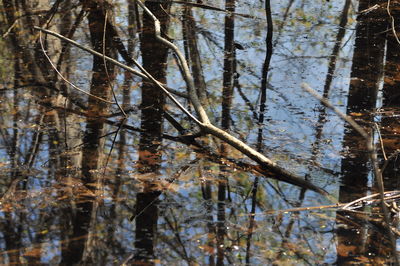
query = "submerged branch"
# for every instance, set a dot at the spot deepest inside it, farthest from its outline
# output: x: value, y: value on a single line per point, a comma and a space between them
x: 206, y: 125
x: 204, y: 122
x: 111, y: 60
x: 373, y: 157
x: 66, y: 80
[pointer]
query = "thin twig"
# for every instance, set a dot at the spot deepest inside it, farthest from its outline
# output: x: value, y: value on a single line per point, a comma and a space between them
x: 208, y: 127
x: 144, y: 75
x: 373, y: 157
x: 392, y: 22
x: 66, y: 80
x: 185, y: 67
x: 340, y: 206
x: 381, y: 141
x: 346, y: 118
x: 392, y: 155
x: 276, y: 171
x: 363, y: 199
x: 10, y: 29
x: 105, y: 66
x: 166, y: 188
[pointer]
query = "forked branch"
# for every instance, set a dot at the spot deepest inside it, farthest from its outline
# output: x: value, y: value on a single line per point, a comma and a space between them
x: 203, y: 122
x: 206, y: 125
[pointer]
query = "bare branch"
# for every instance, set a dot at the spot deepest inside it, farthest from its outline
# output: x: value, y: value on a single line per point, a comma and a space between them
x: 265, y: 163
x: 63, y: 78
x: 105, y: 67
x: 185, y: 67
x: 373, y: 157
x: 206, y: 126
x: 146, y: 76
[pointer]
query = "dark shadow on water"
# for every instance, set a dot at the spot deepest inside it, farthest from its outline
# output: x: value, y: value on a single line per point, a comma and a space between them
x: 69, y: 185
x: 358, y: 239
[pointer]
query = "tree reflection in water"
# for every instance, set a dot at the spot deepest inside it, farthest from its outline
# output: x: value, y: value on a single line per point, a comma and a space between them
x: 74, y: 169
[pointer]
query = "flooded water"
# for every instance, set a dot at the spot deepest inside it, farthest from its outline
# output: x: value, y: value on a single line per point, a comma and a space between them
x: 100, y: 167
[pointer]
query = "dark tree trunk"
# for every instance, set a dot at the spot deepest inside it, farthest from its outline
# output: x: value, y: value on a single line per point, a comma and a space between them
x: 93, y: 148
x: 154, y: 58
x: 366, y: 72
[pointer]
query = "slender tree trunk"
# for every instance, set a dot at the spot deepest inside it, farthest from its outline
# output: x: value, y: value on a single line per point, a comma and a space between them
x: 329, y: 77
x: 261, y: 115
x: 227, y: 96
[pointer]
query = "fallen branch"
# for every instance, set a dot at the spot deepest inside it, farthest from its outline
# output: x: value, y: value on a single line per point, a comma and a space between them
x: 350, y: 206
x: 373, y: 157
x: 203, y: 122
x: 66, y: 80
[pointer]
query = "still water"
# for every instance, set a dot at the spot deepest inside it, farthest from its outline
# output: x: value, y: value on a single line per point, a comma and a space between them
x: 83, y: 184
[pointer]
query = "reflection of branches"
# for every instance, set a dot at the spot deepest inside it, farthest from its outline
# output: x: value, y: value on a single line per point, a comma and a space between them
x: 70, y: 34
x: 244, y: 97
x: 105, y: 66
x: 203, y: 6
x: 282, y: 23
x: 288, y: 232
x: 192, y: 52
x: 207, y: 127
x: 329, y: 77
x: 373, y: 158
x: 174, y: 227
x: 198, y: 147
x: 145, y: 75
x: 170, y: 181
x: 263, y: 99
x: 66, y: 80
x: 204, y: 123
x: 392, y: 22
x: 36, y: 139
